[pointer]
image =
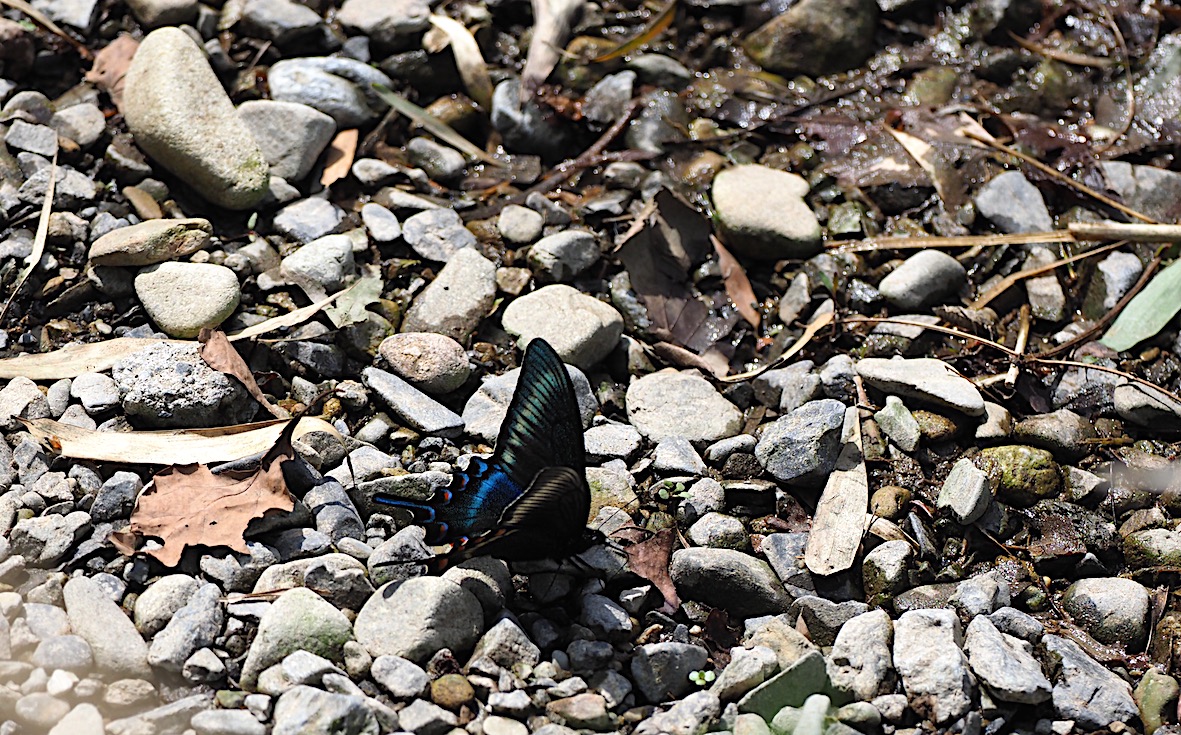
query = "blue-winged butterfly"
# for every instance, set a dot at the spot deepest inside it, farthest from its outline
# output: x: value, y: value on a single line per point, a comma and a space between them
x: 530, y: 499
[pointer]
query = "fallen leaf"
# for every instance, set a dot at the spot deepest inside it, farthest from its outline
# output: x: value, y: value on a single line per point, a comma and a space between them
x: 472, y: 68
x: 45, y: 22
x: 1148, y: 312
x: 657, y: 26
x: 838, y: 524
x: 432, y: 124
x: 552, y: 22
x: 110, y: 67
x: 290, y: 319
x: 338, y: 161
x: 928, y: 158
x: 350, y: 309
x: 73, y: 360
x: 219, y: 354
x: 38, y: 239
x: 177, y: 446
x: 649, y: 559
x: 819, y: 321
x: 188, y: 505
x: 737, y: 284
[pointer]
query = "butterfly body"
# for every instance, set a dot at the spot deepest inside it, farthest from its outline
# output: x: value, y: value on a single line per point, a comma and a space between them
x: 530, y: 499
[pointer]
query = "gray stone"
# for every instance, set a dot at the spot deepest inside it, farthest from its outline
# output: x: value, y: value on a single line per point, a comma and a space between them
x: 194, y: 626
x: 291, y: 136
x: 1013, y: 204
x: 899, y: 424
x: 308, y: 219
x: 440, y: 162
x: 114, y: 641
x: 661, y: 670
x: 156, y: 605
x: 150, y: 242
x: 1018, y: 624
x: 421, y: 412
x: 116, y: 498
x: 304, y: 709
x: 1120, y: 271
x: 326, y: 262
x: 457, y: 300
x: 934, y: 671
x: 1044, y: 293
x: 690, y: 715
x: 1005, y: 664
x: 815, y: 37
x: 401, y: 678
x: 924, y: 379
x: 563, y: 255
x: 415, y: 618
x: 386, y: 23
x: 156, y: 13
x: 39, y: 139
x: 802, y: 446
x: 824, y: 618
x: 860, y: 660
x: 80, y: 14
x: 421, y: 716
x: 382, y: 224
x: 506, y: 645
x: 761, y: 213
x: 966, y: 492
x: 184, y: 298
x: 72, y: 190
x: 582, y: 329
x: 485, y: 410
x: 172, y: 717
x: 611, y: 441
x: 1112, y: 609
x: 748, y: 668
x: 283, y: 21
x: 65, y: 652
x: 298, y: 620
x: 675, y: 455
x: 980, y: 595
x: 671, y: 403
x: 97, y: 393
x: 21, y: 398
x: 519, y: 225
x: 45, y: 541
x: 338, y: 578
x: 84, y: 719
x: 166, y: 385
x: 720, y: 531
x: 923, y: 279
x: 227, y: 722
x: 433, y: 363
x: 336, y: 86
x: 437, y: 234
x: 169, y: 79
x: 1086, y: 692
x: 731, y: 579
x: 525, y: 127
x: 1144, y: 406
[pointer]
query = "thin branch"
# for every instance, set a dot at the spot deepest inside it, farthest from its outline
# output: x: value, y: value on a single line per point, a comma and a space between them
x: 1013, y: 278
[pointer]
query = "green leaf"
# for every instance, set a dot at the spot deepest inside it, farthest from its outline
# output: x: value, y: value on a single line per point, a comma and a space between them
x: 350, y: 307
x: 1148, y: 312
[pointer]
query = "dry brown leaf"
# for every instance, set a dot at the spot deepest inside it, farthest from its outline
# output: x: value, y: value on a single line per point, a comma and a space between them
x: 472, y: 68
x: 188, y: 505
x: 737, y: 284
x: 649, y: 559
x: 73, y: 360
x: 177, y: 446
x: 339, y: 158
x: 110, y: 67
x: 219, y: 354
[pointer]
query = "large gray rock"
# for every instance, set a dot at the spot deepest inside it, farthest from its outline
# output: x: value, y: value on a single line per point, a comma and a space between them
x: 761, y: 213
x: 184, y: 298
x: 934, y: 671
x: 922, y: 280
x: 114, y: 642
x: 1086, y: 691
x: 582, y: 329
x: 924, y: 379
x: 415, y: 618
x: 180, y: 115
x: 731, y: 579
x: 299, y: 620
x: 291, y: 136
x: 169, y: 385
x: 802, y: 447
x: 672, y: 403
x: 1005, y: 664
x: 457, y: 300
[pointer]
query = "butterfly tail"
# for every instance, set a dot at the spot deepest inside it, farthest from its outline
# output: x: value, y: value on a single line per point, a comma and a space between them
x: 421, y: 514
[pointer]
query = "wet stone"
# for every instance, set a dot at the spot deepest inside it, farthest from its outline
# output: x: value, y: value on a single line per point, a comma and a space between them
x: 1013, y: 204
x: 922, y: 280
x: 1112, y: 609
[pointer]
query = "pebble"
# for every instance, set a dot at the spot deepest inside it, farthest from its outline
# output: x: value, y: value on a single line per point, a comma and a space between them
x: 116, y: 497
x: 432, y: 363
x: 526, y: 128
x: 934, y: 671
x: 332, y: 85
x: 924, y: 279
x: 519, y: 225
x: 382, y: 224
x: 923, y: 379
x: 1063, y: 432
x: 1044, y: 293
x: 72, y: 190
x: 1021, y: 475
x: 582, y: 329
x: 83, y: 719
x: 39, y: 139
x: 1145, y: 406
x: 612, y: 440
x: 661, y: 670
x: 298, y: 620
x: 1113, y: 610
x: 437, y: 234
x: 213, y: 152
x: 861, y: 661
x: 815, y: 37
x: 415, y: 618
x: 1085, y: 691
x: 305, y: 709
x: 417, y: 409
x: 761, y: 213
x: 21, y: 398
x: 563, y: 255
x: 1013, y: 204
x: 671, y: 403
x: 899, y: 424
x: 184, y: 298
x: 719, y: 531
x: 326, y: 262
x: 966, y: 492
x: 45, y: 541
x: 156, y: 13
x: 291, y: 136
x: 305, y: 220
x: 282, y: 21
x: 227, y: 722
x: 403, y: 679
x: 440, y: 162
x: 802, y: 447
x: 1120, y: 271
x: 150, y: 242
x: 192, y: 627
x: 167, y: 385
x: 114, y: 641
x: 386, y: 23
x: 738, y: 582
x: 457, y: 300
x: 1005, y: 664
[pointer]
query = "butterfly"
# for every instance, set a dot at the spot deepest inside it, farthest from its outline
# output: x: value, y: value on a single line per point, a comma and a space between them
x: 530, y: 499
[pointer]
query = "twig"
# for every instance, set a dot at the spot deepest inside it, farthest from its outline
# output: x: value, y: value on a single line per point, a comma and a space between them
x: 1125, y: 231
x: 934, y: 327
x: 1008, y: 282
x: 1019, y: 346
x: 1066, y: 57
x: 1123, y: 50
x: 1055, y: 174
x: 965, y: 241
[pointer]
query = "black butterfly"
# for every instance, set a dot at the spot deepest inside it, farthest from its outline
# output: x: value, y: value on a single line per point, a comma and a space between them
x: 530, y: 500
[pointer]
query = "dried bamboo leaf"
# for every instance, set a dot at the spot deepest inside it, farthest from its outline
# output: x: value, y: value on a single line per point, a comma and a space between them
x: 552, y: 23
x: 177, y: 446
x: 472, y: 68
x: 839, y: 522
x: 657, y: 26
x: 432, y: 125
x: 38, y: 239
x: 290, y: 319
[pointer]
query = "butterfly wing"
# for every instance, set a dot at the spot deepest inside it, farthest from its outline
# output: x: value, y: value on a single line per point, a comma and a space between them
x: 547, y: 521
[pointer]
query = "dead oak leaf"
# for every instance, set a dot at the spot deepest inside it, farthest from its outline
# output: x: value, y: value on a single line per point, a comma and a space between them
x: 188, y: 505
x: 219, y: 354
x: 650, y: 558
